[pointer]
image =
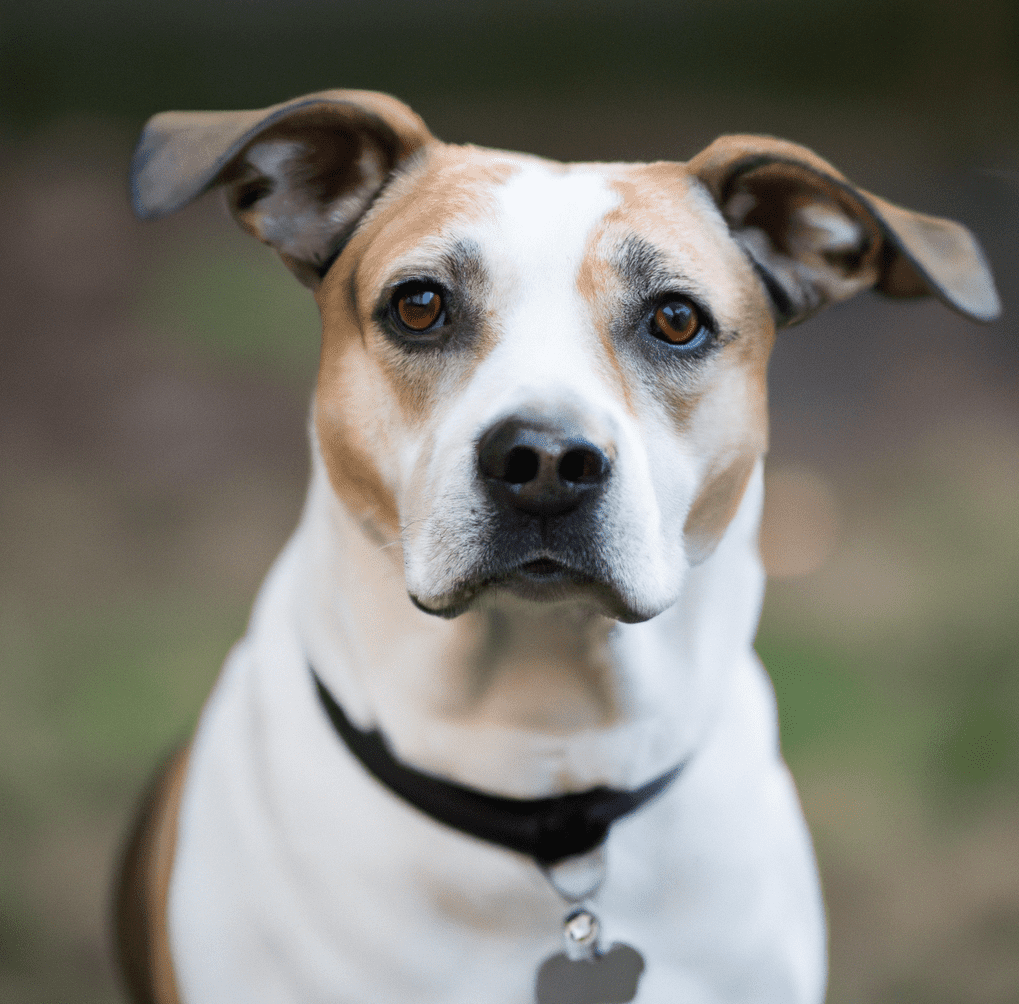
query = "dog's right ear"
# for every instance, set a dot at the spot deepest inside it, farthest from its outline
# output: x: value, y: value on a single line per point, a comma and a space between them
x: 298, y: 175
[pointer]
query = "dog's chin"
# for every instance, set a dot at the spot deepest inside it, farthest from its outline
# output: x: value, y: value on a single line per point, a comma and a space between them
x: 542, y: 580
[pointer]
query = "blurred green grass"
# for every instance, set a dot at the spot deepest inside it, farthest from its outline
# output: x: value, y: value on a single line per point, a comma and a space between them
x: 91, y: 699
x: 949, y: 742
x: 234, y: 303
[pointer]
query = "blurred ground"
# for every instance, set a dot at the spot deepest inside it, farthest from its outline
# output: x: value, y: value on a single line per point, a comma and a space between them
x: 153, y: 395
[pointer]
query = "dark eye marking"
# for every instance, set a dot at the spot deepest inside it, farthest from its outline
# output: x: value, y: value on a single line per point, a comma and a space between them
x: 440, y: 303
x: 677, y: 320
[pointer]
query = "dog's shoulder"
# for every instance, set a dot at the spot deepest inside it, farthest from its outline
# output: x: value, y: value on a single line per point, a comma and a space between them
x: 141, y: 891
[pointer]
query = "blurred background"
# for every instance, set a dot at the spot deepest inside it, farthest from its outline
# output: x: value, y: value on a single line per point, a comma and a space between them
x: 154, y: 383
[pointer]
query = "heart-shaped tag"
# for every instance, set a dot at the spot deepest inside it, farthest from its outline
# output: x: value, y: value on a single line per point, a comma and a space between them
x: 607, y: 978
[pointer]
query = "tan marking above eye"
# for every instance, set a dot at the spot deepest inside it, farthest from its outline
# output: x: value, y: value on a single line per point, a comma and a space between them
x: 677, y: 321
x: 419, y: 310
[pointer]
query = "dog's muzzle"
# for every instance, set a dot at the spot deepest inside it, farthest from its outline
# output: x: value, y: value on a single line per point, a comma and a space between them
x: 545, y: 482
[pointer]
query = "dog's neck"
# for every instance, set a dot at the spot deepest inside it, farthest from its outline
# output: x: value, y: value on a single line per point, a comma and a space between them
x: 520, y: 698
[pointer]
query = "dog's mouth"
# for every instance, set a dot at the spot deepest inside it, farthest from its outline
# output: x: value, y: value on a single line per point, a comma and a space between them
x: 542, y: 579
x: 543, y: 568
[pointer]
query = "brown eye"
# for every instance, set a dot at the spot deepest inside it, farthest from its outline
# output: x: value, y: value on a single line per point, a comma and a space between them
x: 676, y: 321
x: 419, y: 309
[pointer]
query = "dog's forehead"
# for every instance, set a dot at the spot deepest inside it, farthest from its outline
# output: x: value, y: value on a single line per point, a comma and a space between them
x: 543, y: 215
x: 524, y: 213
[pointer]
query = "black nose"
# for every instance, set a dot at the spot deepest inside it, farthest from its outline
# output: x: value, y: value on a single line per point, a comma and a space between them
x: 540, y: 467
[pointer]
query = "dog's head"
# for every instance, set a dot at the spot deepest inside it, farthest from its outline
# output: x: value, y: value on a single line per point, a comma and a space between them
x: 545, y: 378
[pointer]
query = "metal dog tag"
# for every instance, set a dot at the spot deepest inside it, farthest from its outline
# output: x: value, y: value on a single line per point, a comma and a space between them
x: 583, y: 974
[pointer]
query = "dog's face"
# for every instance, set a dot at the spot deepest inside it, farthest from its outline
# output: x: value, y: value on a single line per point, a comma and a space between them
x: 546, y: 378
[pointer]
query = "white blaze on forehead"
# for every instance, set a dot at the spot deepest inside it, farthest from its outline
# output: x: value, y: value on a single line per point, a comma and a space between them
x: 534, y: 244
x: 547, y: 213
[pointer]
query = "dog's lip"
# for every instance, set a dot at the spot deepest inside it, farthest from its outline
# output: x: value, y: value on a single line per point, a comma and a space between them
x: 542, y: 567
x: 540, y: 578
x: 536, y: 577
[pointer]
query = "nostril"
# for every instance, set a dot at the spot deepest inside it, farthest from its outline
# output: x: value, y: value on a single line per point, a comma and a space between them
x: 580, y: 466
x: 522, y: 465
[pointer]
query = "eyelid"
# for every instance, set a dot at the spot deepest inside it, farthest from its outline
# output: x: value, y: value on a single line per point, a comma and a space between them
x: 391, y: 288
x: 427, y: 277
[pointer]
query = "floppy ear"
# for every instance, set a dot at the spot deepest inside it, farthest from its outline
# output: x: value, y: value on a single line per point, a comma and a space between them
x: 814, y: 238
x: 298, y: 175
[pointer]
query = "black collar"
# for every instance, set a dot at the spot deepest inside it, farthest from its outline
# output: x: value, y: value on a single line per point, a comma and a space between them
x: 547, y: 829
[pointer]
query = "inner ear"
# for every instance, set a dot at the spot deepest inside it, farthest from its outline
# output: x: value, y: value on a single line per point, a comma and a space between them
x: 810, y: 241
x: 302, y: 186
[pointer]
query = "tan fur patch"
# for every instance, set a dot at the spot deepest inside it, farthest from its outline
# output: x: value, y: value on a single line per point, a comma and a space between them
x: 651, y: 208
x: 721, y: 403
x: 596, y: 282
x: 729, y: 427
x: 721, y: 406
x: 356, y: 413
x: 143, y: 886
x: 444, y: 184
x: 715, y: 507
x: 359, y: 419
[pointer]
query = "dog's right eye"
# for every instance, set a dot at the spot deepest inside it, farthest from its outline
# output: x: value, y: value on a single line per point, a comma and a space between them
x: 418, y: 308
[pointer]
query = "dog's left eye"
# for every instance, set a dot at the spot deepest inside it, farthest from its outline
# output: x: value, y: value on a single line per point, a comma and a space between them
x: 418, y: 308
x: 677, y: 321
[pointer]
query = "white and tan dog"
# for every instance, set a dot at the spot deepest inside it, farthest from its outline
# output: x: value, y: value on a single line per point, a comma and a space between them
x: 528, y: 561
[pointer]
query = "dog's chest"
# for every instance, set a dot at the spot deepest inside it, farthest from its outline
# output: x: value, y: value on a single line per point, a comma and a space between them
x: 311, y: 880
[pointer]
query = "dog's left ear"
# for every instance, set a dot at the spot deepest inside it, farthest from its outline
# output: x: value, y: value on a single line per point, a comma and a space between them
x: 298, y: 175
x: 815, y: 238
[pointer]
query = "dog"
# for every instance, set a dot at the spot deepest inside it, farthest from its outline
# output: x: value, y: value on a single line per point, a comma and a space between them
x: 496, y: 732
